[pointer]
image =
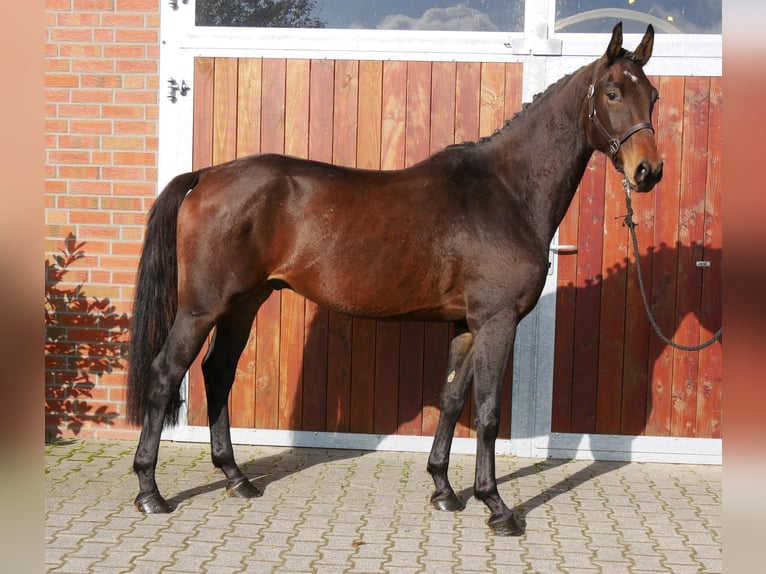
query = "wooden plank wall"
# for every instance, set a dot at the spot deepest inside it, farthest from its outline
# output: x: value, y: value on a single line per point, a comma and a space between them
x: 612, y: 374
x: 305, y: 368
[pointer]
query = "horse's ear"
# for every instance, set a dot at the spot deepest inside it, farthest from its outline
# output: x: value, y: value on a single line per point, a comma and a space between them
x: 644, y: 51
x: 614, y: 50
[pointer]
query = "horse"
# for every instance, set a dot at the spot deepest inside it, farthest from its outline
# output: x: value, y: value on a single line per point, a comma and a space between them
x: 461, y: 237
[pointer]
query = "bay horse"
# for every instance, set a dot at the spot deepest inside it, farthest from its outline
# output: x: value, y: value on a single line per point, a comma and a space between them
x: 460, y: 237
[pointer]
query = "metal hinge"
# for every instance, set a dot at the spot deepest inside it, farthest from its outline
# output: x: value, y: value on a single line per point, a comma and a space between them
x: 174, y: 87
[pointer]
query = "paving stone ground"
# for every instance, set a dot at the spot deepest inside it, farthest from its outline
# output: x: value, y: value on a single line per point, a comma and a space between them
x: 339, y: 511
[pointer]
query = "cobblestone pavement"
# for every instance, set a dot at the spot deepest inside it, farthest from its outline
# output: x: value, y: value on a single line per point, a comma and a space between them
x: 333, y: 511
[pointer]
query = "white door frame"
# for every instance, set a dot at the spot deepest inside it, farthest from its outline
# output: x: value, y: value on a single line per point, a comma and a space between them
x: 546, y: 57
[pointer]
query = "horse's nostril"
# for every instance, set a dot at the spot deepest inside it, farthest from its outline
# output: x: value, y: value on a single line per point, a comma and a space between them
x: 642, y: 172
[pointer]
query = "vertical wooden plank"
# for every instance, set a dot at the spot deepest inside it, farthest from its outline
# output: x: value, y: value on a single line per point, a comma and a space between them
x: 321, y: 98
x: 587, y: 315
x: 248, y: 141
x: 612, y: 320
x: 225, y: 92
x: 664, y: 257
x: 563, y: 355
x: 492, y: 106
x: 514, y: 77
x: 202, y: 156
x: 709, y: 389
x: 387, y: 336
x: 204, y: 83
x: 690, y: 232
x: 268, y: 318
x: 635, y: 378
x: 225, y: 110
x: 249, y: 106
x: 467, y: 104
x: 363, y: 337
x: 436, y: 343
x: 340, y: 326
x: 417, y: 146
x: 292, y: 320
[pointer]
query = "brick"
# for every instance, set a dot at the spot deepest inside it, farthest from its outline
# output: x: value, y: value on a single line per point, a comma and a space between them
x: 123, y: 143
x: 139, y: 128
x: 90, y: 216
x: 149, y: 66
x: 138, y: 36
x: 135, y: 188
x: 93, y: 96
x: 90, y: 126
x: 78, y: 172
x: 122, y: 203
x: 95, y: 66
x: 78, y: 19
x: 147, y: 97
x: 101, y: 81
x: 78, y: 111
x: 90, y: 187
x: 62, y: 80
x: 76, y: 202
x: 123, y: 173
x: 137, y: 5
x: 68, y: 157
x: 90, y: 50
x: 122, y: 20
x: 58, y: 4
x: 122, y: 112
x: 57, y: 95
x: 134, y: 158
x: 78, y: 141
x: 95, y: 5
x: 64, y: 35
x: 106, y: 232
x: 125, y: 51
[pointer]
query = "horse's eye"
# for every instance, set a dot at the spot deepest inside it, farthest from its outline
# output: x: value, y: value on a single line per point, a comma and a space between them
x: 613, y: 96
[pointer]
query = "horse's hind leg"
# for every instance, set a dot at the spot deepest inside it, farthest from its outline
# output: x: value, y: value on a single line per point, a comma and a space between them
x: 454, y: 393
x: 183, y: 343
x: 219, y: 368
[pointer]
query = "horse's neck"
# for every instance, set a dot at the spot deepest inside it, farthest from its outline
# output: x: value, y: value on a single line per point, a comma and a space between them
x: 550, y: 133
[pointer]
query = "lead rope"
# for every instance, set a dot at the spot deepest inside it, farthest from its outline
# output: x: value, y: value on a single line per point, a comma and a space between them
x: 632, y: 227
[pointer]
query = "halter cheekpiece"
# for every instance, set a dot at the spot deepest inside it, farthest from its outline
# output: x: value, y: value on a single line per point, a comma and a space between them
x: 614, y: 142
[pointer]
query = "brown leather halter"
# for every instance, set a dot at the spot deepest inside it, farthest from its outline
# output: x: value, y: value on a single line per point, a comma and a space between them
x: 614, y: 142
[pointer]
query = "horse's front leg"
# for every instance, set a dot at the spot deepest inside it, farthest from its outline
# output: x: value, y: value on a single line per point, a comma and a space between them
x: 492, y: 347
x: 454, y: 393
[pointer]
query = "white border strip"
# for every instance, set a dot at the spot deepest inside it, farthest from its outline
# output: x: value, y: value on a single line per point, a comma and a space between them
x: 557, y: 445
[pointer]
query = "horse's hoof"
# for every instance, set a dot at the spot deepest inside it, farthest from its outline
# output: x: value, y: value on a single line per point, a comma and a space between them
x: 447, y: 502
x: 243, y: 489
x: 506, y: 526
x: 152, y: 504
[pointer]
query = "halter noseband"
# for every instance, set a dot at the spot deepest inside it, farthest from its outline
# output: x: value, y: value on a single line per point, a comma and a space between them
x: 614, y: 143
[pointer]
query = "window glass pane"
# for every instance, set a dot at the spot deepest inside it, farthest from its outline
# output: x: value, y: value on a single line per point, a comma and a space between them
x: 467, y: 15
x: 667, y: 16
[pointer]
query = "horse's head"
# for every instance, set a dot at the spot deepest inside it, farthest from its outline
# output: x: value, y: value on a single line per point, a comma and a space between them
x: 620, y: 103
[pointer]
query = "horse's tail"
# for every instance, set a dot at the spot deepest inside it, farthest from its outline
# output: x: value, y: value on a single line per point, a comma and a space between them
x: 156, y: 296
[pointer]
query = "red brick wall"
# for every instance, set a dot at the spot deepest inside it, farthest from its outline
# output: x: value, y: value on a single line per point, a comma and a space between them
x: 102, y: 64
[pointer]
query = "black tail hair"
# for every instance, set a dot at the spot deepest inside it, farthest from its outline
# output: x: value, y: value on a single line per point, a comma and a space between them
x: 156, y: 297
